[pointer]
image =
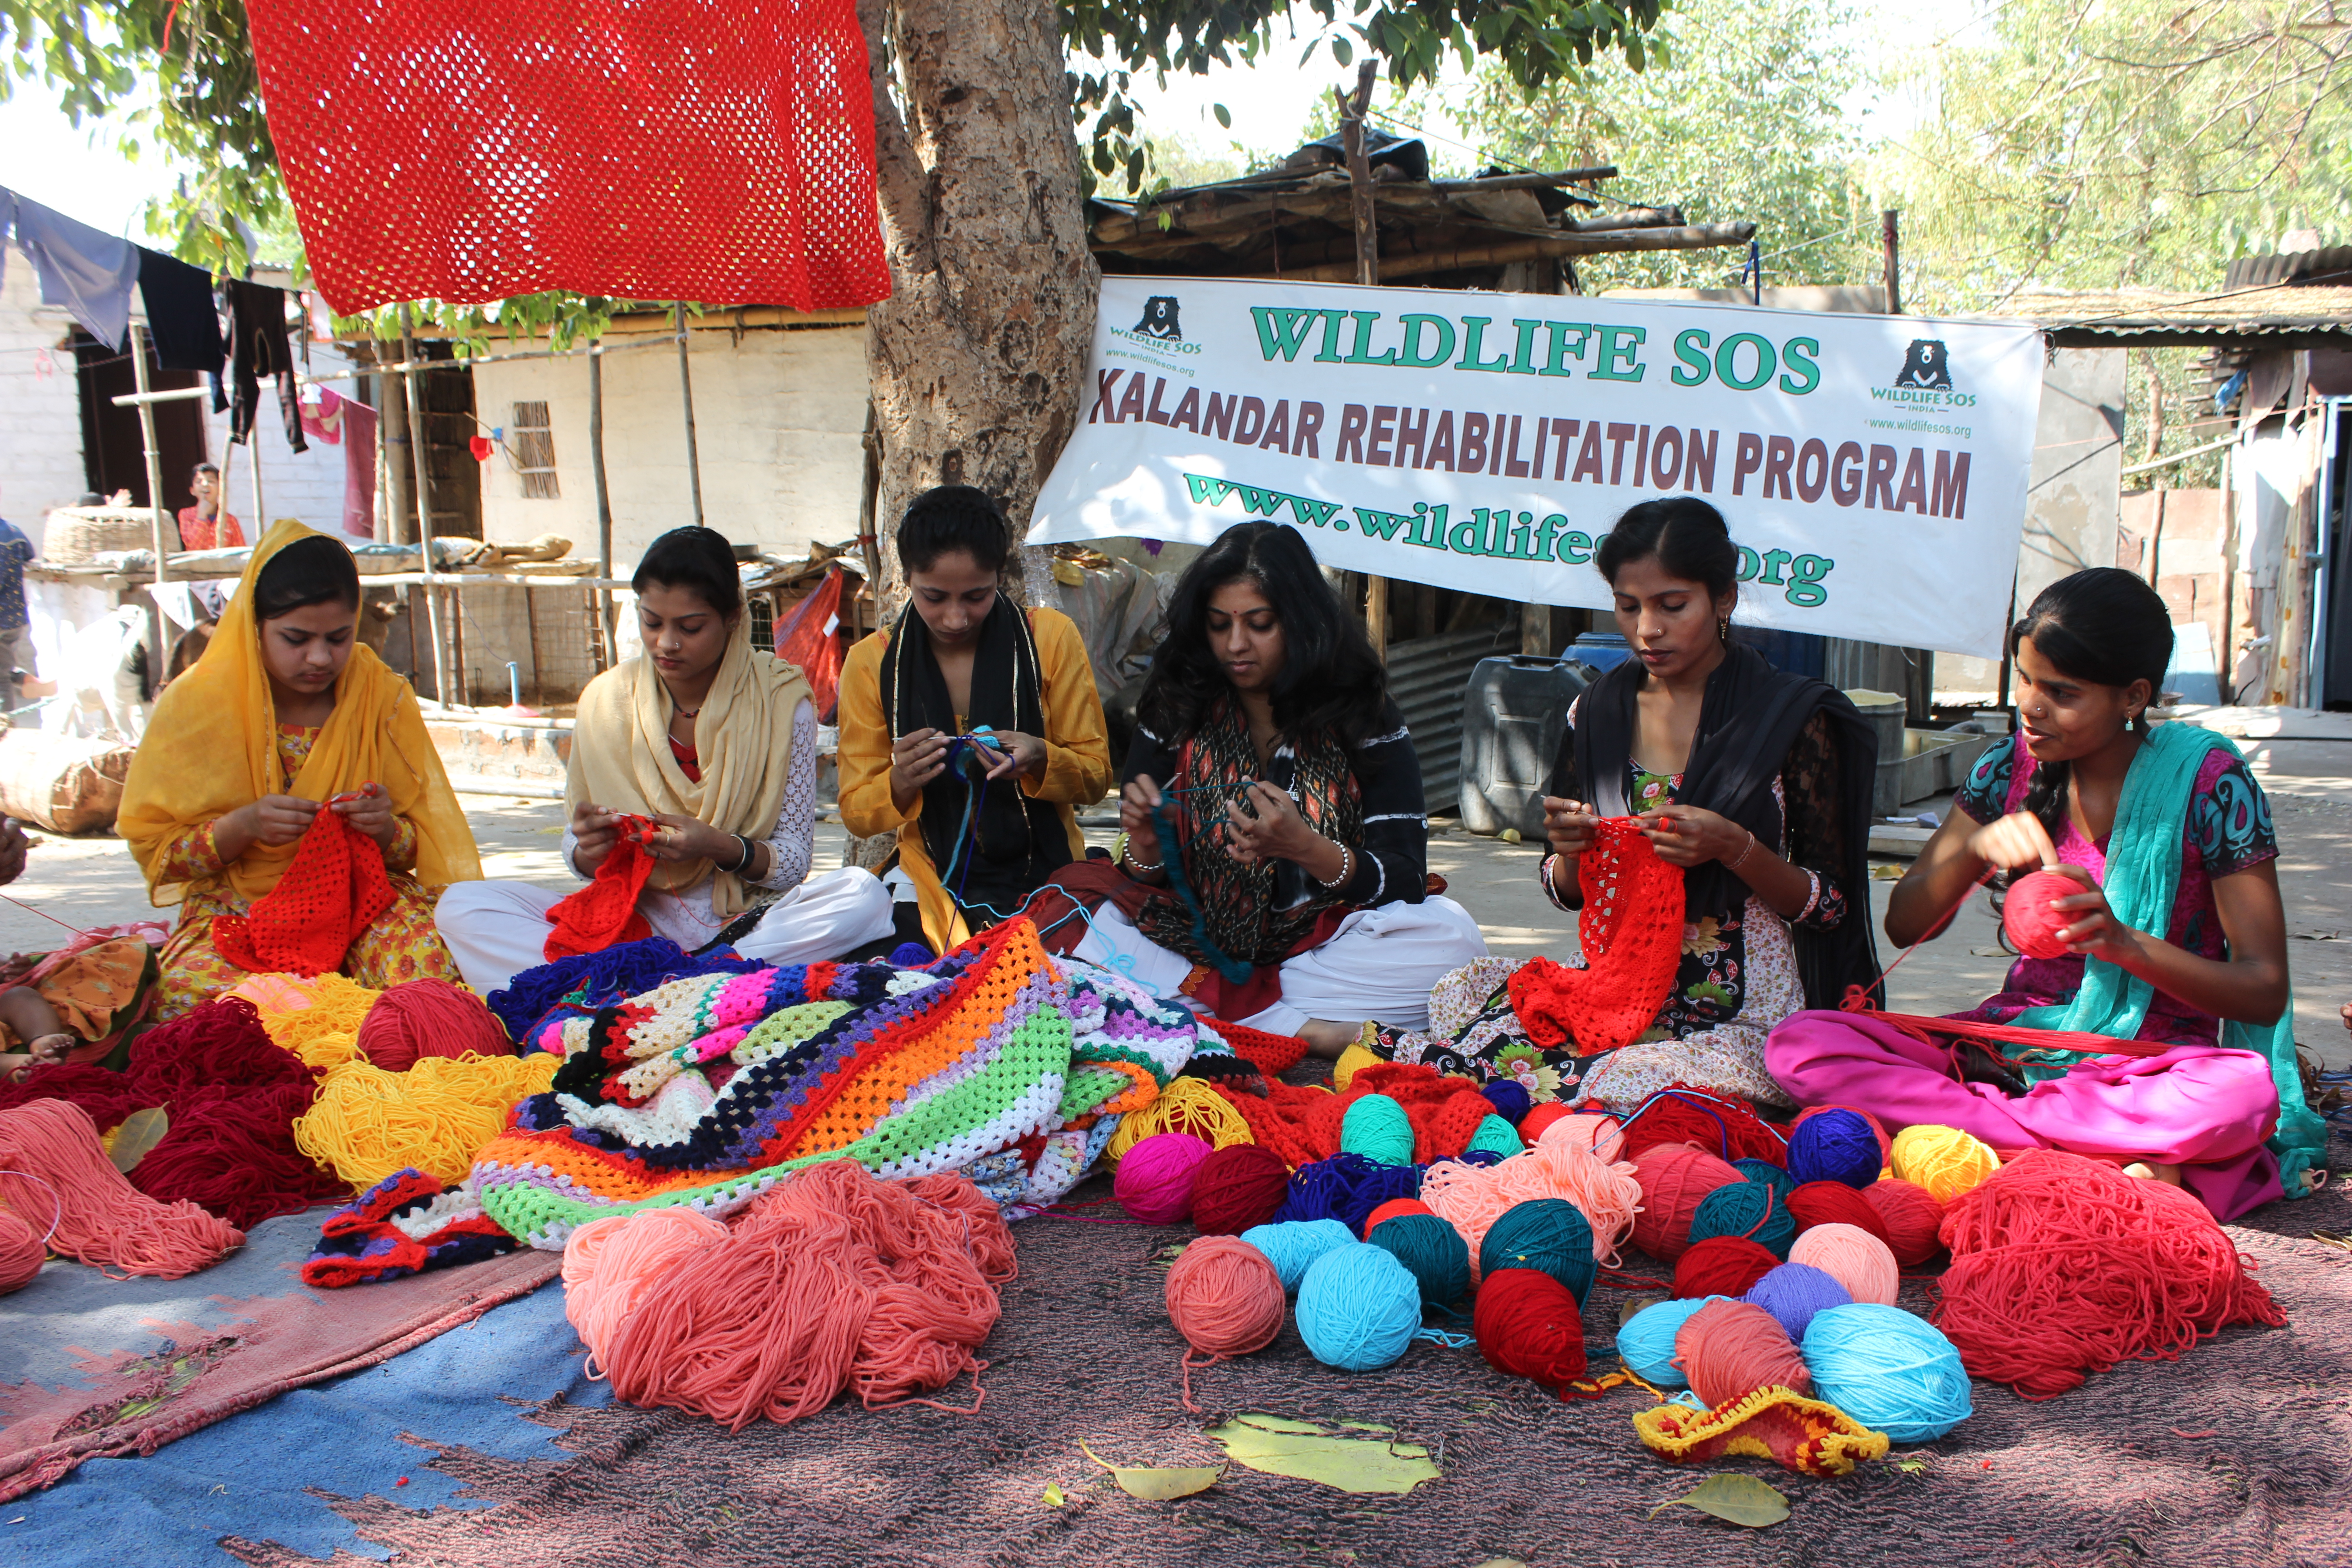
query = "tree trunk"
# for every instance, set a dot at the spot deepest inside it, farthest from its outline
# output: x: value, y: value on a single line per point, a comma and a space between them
x: 977, y: 358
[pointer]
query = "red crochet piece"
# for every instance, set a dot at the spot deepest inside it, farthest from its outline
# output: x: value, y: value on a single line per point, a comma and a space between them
x: 1271, y: 1054
x: 605, y: 913
x: 334, y: 890
x: 1302, y: 1123
x: 1631, y: 929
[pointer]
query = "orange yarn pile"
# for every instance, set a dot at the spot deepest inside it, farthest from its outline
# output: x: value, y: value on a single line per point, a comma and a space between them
x: 831, y: 1280
x: 333, y: 890
x: 429, y: 1017
x: 604, y: 913
x: 102, y: 1218
x: 2064, y: 1266
x: 1631, y: 931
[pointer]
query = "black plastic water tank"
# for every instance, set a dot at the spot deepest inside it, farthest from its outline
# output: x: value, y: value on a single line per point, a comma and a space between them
x: 1515, y: 711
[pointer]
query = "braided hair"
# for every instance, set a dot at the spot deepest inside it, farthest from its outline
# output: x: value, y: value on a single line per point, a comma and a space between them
x: 2103, y: 625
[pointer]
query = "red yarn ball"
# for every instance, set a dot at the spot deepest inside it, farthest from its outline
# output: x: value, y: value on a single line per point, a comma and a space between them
x: 1721, y: 1124
x: 1236, y: 1187
x: 1722, y: 1266
x: 1390, y: 1210
x: 2026, y: 915
x: 21, y: 1253
x: 1673, y: 1177
x: 1528, y: 1326
x: 1909, y: 1217
x: 1878, y: 1127
x: 1154, y: 1183
x: 1730, y: 1348
x: 430, y: 1018
x: 1532, y: 1125
x: 1834, y: 1203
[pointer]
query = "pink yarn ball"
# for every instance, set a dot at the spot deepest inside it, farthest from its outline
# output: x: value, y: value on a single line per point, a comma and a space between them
x: 2026, y: 915
x: 1854, y: 1258
x: 1155, y: 1177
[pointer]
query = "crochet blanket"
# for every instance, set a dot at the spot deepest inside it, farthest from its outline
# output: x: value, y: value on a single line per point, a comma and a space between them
x: 711, y: 1088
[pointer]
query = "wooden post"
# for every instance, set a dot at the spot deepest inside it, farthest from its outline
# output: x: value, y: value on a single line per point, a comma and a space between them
x: 602, y: 598
x: 158, y: 518
x: 253, y: 473
x: 1368, y: 271
x: 1891, y: 240
x: 415, y: 397
x: 686, y: 393
x: 869, y: 497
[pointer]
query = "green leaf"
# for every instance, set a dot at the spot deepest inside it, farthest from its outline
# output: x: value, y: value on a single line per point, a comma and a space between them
x: 1342, y: 51
x: 1741, y: 1499
x: 1225, y: 116
x: 1155, y: 1485
x: 1305, y: 1451
x: 1053, y: 1498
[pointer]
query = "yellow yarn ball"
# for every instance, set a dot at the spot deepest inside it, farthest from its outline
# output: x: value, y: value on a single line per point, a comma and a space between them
x: 1186, y: 1105
x: 1351, y: 1061
x: 1944, y: 1159
x: 367, y: 1124
x: 317, y: 1020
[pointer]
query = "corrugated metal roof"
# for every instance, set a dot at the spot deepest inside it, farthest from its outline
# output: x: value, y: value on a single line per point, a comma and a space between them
x: 1428, y: 678
x: 2279, y: 315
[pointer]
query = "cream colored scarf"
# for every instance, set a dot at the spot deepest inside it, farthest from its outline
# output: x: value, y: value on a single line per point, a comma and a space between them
x: 743, y: 741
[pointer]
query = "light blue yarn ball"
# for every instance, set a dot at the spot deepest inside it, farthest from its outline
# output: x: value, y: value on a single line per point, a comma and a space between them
x: 1498, y: 1135
x: 1294, y: 1246
x: 1646, y: 1343
x: 1892, y: 1371
x: 1358, y: 1308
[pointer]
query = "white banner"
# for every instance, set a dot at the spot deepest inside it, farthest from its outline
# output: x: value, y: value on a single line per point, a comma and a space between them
x: 1873, y: 468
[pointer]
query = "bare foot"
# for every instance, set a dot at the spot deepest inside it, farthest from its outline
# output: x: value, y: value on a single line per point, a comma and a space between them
x: 1328, y: 1039
x: 2151, y: 1171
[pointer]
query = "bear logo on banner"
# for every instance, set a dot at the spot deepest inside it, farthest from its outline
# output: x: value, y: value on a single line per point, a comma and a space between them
x: 1927, y: 368
x: 1160, y: 318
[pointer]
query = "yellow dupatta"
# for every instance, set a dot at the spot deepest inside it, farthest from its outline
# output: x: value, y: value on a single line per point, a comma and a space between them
x: 212, y: 747
x: 742, y: 743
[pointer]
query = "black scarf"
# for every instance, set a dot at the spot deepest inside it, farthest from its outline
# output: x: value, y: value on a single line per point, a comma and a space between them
x: 1747, y: 719
x: 1022, y: 843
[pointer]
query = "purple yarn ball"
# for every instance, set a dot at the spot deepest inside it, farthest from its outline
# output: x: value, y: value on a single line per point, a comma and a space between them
x: 1793, y: 1292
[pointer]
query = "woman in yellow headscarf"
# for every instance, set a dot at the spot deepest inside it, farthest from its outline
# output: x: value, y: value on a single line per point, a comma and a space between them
x: 286, y: 712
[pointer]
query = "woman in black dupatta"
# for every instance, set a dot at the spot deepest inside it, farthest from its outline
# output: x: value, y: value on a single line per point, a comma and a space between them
x: 1755, y: 782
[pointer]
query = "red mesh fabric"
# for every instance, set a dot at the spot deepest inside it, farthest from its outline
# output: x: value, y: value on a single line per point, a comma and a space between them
x: 806, y: 640
x: 333, y: 890
x: 605, y: 911
x: 668, y: 150
x: 1302, y: 1123
x: 1631, y: 929
x: 1271, y: 1054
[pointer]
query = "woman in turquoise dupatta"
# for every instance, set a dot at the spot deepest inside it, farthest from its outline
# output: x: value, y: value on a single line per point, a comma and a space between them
x: 2178, y: 937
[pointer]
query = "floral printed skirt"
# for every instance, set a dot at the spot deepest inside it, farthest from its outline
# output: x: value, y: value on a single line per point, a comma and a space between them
x: 402, y: 944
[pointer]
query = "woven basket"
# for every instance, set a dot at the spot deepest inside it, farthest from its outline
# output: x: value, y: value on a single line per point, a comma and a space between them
x: 75, y: 534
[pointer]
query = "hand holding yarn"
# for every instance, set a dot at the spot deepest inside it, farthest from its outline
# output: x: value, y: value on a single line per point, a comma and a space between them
x: 2059, y: 910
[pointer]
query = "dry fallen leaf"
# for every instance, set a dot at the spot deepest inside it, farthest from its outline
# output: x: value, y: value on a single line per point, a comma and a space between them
x: 140, y: 1132
x: 1742, y: 1500
x: 1154, y: 1485
x: 1308, y: 1452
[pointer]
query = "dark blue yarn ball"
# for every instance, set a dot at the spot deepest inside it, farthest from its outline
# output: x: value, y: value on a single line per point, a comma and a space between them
x: 1509, y: 1099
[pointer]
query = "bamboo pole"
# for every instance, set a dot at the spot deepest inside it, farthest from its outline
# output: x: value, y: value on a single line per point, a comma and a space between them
x: 1366, y: 219
x: 415, y: 398
x: 604, y: 494
x: 685, y: 393
x: 1692, y: 236
x: 157, y: 516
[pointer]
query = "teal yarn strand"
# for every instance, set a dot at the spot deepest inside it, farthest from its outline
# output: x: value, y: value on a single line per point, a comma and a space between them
x: 1750, y: 1209
x: 1294, y: 1246
x: 1888, y: 1370
x: 1433, y: 1252
x: 1172, y: 855
x: 1496, y: 1136
x: 1358, y: 1308
x: 1646, y: 1343
x: 1550, y: 1235
x: 1377, y: 1128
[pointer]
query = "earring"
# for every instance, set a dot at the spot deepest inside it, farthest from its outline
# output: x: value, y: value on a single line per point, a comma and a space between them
x: 1723, y: 631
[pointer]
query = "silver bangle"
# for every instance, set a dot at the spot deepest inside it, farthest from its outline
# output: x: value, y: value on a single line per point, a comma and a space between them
x: 1347, y: 870
x: 1742, y: 859
x: 1127, y: 853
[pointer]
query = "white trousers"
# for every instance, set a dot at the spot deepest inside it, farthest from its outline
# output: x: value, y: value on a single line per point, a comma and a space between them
x: 1381, y: 965
x: 496, y: 929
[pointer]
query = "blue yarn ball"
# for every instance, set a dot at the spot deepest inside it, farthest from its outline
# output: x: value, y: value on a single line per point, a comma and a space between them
x: 1347, y: 1187
x: 1835, y: 1146
x: 1793, y: 1292
x: 1358, y: 1308
x: 1547, y: 1234
x: 1508, y: 1098
x: 1433, y: 1250
x: 1497, y: 1135
x: 1766, y: 1174
x: 1294, y: 1246
x: 912, y: 955
x: 1646, y: 1343
x: 1888, y: 1370
x: 1748, y: 1209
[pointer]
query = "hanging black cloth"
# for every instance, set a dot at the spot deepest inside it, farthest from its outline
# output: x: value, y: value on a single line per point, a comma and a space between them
x: 1749, y: 719
x: 182, y: 318
x: 1021, y: 842
x: 257, y: 347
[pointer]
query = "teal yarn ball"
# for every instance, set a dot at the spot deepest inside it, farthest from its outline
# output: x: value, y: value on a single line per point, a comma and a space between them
x: 1748, y: 1209
x: 1766, y: 1174
x: 1377, y: 1128
x: 1888, y: 1370
x: 1550, y: 1235
x: 1358, y: 1308
x: 1646, y: 1343
x: 1497, y: 1136
x: 1293, y: 1245
x: 1433, y: 1251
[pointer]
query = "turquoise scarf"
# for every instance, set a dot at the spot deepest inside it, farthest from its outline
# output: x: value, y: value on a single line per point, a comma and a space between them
x: 2143, y: 877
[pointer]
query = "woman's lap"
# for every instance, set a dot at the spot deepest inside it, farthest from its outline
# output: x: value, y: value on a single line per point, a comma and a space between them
x: 403, y: 943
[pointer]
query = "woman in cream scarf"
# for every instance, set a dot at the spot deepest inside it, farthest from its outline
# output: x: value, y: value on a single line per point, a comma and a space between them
x: 716, y: 742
